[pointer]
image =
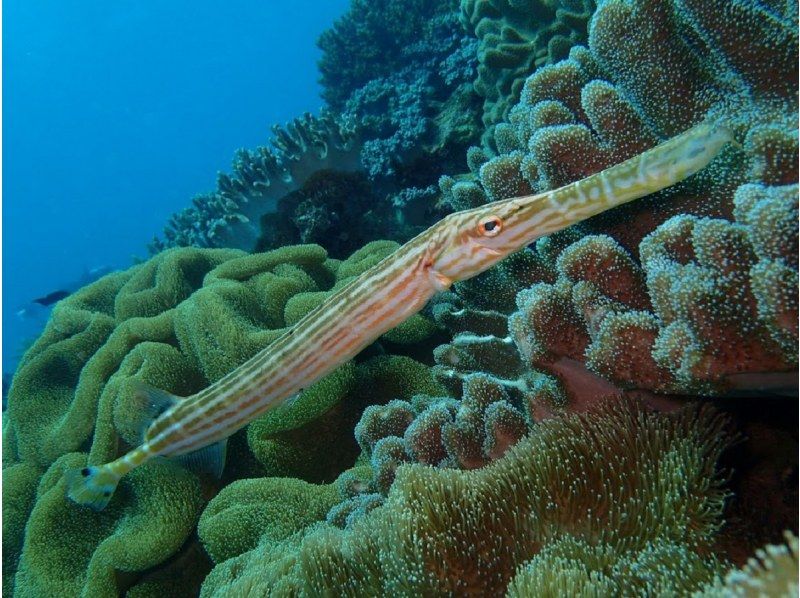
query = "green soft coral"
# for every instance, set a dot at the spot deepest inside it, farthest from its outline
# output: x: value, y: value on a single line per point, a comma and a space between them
x: 71, y: 551
x: 19, y: 491
x: 179, y: 322
x: 263, y: 511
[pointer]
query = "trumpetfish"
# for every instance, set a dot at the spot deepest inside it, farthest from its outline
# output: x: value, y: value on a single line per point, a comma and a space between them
x: 458, y: 247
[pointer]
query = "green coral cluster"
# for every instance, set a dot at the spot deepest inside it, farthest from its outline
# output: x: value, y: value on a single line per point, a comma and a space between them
x: 179, y: 322
x: 635, y: 492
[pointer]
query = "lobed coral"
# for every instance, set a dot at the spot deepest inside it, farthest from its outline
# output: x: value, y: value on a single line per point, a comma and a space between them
x: 694, y: 318
x: 69, y: 551
x: 179, y: 321
x: 515, y: 39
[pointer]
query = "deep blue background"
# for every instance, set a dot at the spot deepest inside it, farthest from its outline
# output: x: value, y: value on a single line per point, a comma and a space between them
x: 117, y: 113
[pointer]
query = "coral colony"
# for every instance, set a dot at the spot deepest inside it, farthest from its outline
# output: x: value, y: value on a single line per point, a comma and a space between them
x: 610, y: 411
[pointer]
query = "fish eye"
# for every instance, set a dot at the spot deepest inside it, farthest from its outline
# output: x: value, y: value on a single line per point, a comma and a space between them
x: 491, y: 226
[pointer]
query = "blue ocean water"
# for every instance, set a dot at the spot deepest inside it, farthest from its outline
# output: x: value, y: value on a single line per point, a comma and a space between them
x: 116, y: 114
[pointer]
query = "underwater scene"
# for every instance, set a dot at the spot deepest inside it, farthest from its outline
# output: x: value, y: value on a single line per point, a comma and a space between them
x: 496, y: 298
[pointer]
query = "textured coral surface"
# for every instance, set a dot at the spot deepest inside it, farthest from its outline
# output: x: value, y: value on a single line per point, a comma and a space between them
x: 610, y: 483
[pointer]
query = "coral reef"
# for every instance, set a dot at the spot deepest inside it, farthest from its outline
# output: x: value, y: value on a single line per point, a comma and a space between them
x: 529, y: 432
x: 230, y: 216
x: 598, y: 481
x: 335, y: 209
x: 410, y: 96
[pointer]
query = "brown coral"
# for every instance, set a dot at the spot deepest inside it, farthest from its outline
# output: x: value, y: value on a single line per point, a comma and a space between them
x: 692, y: 290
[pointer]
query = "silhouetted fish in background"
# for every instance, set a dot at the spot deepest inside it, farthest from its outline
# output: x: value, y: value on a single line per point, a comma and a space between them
x: 51, y: 298
x: 36, y: 306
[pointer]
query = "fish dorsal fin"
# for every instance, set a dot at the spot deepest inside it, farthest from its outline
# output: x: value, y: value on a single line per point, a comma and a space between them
x: 149, y: 404
x: 209, y: 459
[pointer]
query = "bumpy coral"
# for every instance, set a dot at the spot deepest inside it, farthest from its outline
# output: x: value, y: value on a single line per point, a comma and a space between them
x: 712, y: 307
x: 693, y: 289
x: 179, y: 321
x: 571, y: 567
x: 608, y: 482
x: 441, y: 431
x: 254, y: 512
x: 773, y: 571
x: 19, y: 493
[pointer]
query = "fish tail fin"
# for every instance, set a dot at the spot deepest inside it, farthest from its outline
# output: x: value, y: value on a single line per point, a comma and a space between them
x: 91, y: 486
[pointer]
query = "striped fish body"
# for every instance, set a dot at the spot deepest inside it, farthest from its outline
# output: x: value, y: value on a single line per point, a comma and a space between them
x: 328, y: 336
x: 460, y: 246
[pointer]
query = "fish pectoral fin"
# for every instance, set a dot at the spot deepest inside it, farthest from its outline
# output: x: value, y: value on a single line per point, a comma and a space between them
x: 439, y: 281
x: 209, y: 459
x: 149, y: 404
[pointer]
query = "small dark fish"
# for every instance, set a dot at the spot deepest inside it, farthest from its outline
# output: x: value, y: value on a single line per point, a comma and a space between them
x: 51, y: 298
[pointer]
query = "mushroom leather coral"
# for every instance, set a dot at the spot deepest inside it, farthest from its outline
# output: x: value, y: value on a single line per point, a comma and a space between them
x: 179, y: 321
